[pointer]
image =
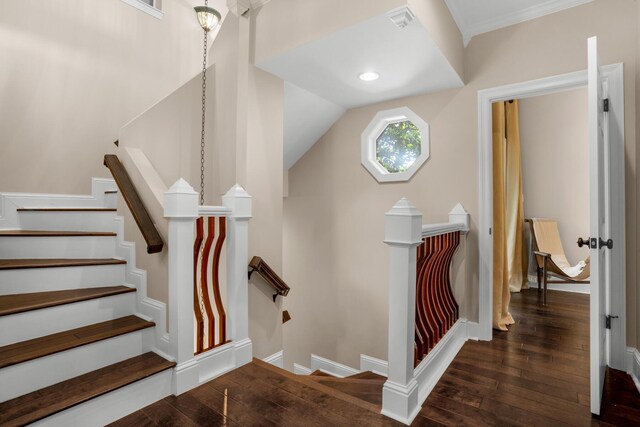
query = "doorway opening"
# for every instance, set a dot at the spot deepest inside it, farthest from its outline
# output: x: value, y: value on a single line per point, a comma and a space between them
x: 614, y: 129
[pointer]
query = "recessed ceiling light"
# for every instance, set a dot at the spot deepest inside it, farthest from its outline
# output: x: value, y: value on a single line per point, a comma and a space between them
x: 369, y: 76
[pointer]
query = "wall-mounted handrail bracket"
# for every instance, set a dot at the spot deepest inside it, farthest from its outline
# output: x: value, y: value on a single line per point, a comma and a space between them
x: 258, y: 265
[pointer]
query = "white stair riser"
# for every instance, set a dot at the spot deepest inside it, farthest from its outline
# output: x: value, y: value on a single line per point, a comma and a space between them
x: 114, y: 405
x: 111, y: 200
x: 45, y: 371
x: 58, y: 247
x: 47, y: 321
x: 27, y: 280
x: 67, y: 221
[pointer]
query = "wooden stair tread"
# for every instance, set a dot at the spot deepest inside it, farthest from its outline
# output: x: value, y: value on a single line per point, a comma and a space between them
x: 49, y: 344
x: 319, y: 373
x: 368, y: 375
x: 306, y: 380
x: 10, y: 264
x: 39, y: 233
x: 58, y: 397
x: 20, y: 303
x: 66, y: 210
x: 349, y: 380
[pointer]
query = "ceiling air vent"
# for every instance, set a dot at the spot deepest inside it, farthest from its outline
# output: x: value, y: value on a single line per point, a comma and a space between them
x: 401, y: 17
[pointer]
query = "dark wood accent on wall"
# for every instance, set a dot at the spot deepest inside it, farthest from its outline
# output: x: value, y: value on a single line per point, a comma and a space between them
x: 258, y: 265
x: 209, y: 312
x: 137, y: 208
x: 436, y: 307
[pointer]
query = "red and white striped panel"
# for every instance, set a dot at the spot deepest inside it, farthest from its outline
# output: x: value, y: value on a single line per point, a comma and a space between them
x: 436, y: 307
x: 208, y: 308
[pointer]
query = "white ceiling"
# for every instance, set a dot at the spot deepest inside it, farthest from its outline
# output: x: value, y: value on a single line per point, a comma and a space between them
x: 480, y: 16
x: 306, y: 118
x: 408, y: 60
x: 323, y: 75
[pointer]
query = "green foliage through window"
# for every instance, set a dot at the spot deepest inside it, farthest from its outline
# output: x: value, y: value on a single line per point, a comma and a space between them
x: 398, y: 146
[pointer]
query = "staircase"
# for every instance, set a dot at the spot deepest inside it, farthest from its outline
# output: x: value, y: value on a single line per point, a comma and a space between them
x: 74, y: 349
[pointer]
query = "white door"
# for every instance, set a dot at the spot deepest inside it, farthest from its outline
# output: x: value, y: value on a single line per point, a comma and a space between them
x: 600, y: 227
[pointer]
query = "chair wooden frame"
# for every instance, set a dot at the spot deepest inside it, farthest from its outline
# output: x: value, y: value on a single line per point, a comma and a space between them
x: 543, y: 262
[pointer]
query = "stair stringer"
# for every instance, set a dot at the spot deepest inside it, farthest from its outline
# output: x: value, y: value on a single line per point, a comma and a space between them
x: 146, y: 307
x: 11, y: 202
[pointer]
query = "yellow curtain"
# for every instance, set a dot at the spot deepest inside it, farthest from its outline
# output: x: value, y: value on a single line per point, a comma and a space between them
x: 518, y: 262
x: 501, y: 295
x: 510, y: 262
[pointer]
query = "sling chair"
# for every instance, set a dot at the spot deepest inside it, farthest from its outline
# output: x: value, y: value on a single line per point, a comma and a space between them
x: 550, y: 258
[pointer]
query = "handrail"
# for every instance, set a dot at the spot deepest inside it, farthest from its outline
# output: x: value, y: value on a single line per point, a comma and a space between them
x: 258, y: 265
x: 140, y: 214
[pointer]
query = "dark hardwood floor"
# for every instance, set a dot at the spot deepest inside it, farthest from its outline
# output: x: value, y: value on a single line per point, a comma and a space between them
x: 536, y: 374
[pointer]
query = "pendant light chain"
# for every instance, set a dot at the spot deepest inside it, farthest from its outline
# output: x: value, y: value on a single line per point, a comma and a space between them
x: 204, y: 99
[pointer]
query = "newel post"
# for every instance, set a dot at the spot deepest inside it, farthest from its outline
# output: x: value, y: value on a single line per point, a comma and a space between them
x: 239, y: 202
x: 181, y: 210
x: 403, y: 234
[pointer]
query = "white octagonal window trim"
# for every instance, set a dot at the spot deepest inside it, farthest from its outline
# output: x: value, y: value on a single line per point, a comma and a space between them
x: 376, y: 136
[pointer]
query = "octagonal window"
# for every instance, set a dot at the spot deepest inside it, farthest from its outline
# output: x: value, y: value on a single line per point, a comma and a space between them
x: 395, y: 145
x: 398, y: 146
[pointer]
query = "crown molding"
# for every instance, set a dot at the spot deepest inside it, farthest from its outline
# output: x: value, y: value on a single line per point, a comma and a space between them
x: 505, y: 20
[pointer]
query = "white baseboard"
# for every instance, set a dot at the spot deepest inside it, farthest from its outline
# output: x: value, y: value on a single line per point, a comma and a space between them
x: 633, y: 365
x: 473, y: 331
x: 429, y: 371
x: 276, y: 359
x: 146, y: 307
x: 377, y: 366
x: 329, y: 366
x: 578, y: 288
x: 301, y: 370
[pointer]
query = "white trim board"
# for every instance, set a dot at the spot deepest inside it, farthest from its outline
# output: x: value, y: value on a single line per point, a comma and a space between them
x: 151, y: 10
x: 301, y: 370
x: 429, y: 371
x: 577, y: 288
x: 377, y: 366
x: 613, y: 76
x: 330, y: 367
x: 276, y: 359
x: 497, y: 21
x: 633, y: 365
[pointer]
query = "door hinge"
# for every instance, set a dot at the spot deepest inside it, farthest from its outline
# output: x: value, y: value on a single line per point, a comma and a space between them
x: 606, y: 105
x: 607, y: 320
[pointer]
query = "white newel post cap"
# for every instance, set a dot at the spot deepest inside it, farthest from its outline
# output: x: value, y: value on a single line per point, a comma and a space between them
x: 459, y: 215
x: 239, y: 201
x: 181, y: 201
x: 403, y: 224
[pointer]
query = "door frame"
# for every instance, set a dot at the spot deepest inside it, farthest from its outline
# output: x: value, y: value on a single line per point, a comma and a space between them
x: 613, y: 79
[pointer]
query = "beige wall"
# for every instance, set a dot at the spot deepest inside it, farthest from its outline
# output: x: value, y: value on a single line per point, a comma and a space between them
x: 264, y: 176
x: 555, y: 158
x: 244, y: 145
x: 73, y: 72
x: 437, y: 19
x: 334, y: 214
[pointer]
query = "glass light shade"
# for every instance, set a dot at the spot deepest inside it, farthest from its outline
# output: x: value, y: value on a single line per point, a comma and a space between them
x: 208, y: 17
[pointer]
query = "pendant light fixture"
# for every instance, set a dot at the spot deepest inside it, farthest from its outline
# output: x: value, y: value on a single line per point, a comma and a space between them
x: 208, y: 18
